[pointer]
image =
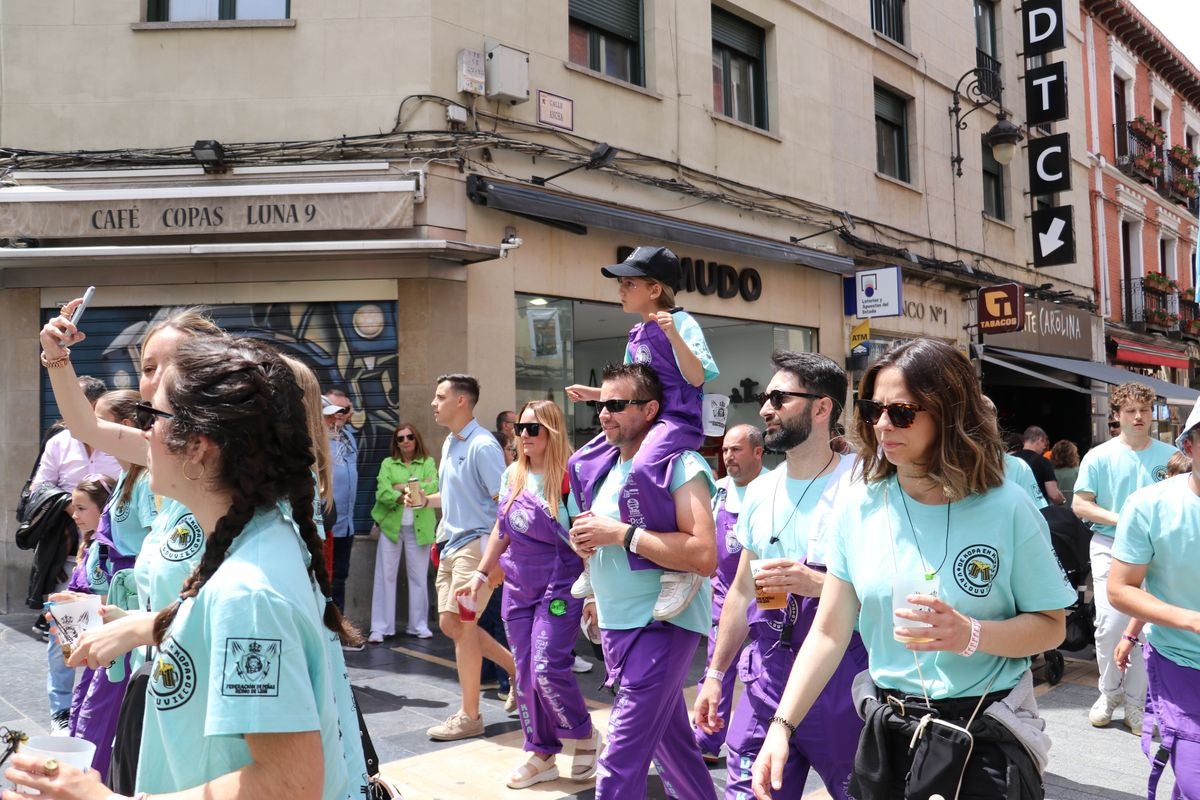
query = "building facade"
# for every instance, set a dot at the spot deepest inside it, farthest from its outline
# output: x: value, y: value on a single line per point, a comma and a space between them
x: 386, y: 198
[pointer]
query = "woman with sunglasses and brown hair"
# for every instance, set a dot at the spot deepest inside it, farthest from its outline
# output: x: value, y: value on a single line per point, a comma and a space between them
x: 947, y: 572
x: 405, y: 528
x: 530, y: 544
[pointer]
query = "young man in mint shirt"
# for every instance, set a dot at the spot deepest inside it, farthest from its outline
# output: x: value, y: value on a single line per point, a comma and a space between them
x: 1108, y: 475
x: 1158, y: 546
x: 469, y: 482
x: 647, y: 659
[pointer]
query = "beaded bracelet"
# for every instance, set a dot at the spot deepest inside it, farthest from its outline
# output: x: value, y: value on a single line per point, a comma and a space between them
x: 1130, y: 639
x: 61, y: 361
x: 790, y: 727
x: 972, y: 645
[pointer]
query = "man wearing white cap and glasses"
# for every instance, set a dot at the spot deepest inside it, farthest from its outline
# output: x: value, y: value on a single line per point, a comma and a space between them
x: 343, y: 452
x: 1158, y: 545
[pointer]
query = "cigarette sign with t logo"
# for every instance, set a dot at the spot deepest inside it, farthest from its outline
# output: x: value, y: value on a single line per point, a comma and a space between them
x: 1001, y: 308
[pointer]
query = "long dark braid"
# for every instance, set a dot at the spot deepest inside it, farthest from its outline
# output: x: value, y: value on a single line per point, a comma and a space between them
x: 243, y: 397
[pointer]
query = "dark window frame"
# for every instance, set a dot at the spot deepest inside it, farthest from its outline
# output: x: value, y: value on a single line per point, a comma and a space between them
x: 159, y: 10
x: 601, y: 23
x: 994, y: 200
x: 892, y: 123
x: 748, y: 42
x: 887, y: 19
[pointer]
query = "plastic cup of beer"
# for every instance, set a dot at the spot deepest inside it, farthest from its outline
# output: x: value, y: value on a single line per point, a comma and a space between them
x: 466, y: 607
x: 65, y: 749
x: 75, y: 618
x: 902, y: 587
x: 767, y: 599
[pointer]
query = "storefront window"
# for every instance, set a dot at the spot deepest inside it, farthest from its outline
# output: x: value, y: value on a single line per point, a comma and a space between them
x: 545, y: 351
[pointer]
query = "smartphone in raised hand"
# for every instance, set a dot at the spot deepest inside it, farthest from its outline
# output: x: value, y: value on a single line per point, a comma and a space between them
x: 87, y: 299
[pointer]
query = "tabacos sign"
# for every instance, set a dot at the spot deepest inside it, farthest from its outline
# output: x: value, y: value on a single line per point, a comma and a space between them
x: 711, y: 277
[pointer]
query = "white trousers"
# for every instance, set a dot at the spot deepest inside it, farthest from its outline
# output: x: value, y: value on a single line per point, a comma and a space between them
x: 1110, y: 625
x: 387, y: 569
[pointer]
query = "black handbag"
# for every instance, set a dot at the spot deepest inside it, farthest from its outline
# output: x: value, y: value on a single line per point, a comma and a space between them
x: 127, y: 740
x: 378, y: 787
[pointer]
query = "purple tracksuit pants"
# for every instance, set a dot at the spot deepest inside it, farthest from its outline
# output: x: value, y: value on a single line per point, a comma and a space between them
x: 95, y: 707
x: 1174, y: 702
x: 649, y: 718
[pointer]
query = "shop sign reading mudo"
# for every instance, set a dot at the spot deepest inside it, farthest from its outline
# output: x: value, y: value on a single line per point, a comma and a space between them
x: 52, y: 213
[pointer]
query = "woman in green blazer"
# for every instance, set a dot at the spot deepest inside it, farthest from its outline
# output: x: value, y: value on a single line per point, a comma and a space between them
x: 406, y: 529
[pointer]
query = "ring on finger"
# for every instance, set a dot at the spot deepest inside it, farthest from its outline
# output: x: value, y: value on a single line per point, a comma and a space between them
x: 50, y: 767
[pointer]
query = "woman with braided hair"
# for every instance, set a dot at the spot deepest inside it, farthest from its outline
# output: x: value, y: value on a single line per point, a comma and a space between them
x: 242, y: 697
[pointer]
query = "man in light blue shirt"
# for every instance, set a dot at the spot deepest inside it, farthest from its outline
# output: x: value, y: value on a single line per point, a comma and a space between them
x: 343, y: 452
x: 647, y: 659
x: 469, y: 482
x: 1158, y: 546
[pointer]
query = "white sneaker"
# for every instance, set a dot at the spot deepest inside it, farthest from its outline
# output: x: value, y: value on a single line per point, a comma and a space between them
x: 375, y: 638
x: 677, y: 590
x: 1133, y: 718
x: 582, y: 587
x: 581, y: 665
x: 1101, y: 713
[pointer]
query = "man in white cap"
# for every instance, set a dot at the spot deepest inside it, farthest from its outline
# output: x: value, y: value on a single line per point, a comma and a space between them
x: 343, y: 452
x: 1158, y: 545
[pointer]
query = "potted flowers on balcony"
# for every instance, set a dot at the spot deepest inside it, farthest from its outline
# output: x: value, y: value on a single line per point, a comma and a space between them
x: 1186, y: 187
x: 1191, y: 328
x: 1157, y: 282
x: 1140, y: 125
x: 1156, y: 167
x: 1184, y: 157
x: 1159, y: 318
x: 1189, y: 294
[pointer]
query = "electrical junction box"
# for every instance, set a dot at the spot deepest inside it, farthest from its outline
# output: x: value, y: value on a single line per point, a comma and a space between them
x: 507, y: 72
x: 471, y: 75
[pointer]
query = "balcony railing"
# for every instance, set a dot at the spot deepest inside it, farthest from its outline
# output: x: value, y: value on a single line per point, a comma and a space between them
x: 990, y: 84
x: 1189, y: 315
x: 1153, y: 305
x: 1178, y: 183
x: 1136, y: 154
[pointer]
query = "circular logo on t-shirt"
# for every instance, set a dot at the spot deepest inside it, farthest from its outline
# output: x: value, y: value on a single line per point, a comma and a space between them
x: 732, y: 545
x: 1160, y: 473
x: 184, y: 541
x: 786, y: 616
x: 518, y: 519
x: 120, y: 511
x: 641, y: 354
x: 173, y: 677
x: 975, y: 568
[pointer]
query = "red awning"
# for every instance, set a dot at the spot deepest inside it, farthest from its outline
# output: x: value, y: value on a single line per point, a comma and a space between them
x: 1131, y: 352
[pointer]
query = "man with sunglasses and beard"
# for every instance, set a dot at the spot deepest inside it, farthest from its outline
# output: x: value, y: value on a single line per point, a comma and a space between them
x: 647, y: 659
x: 784, y: 523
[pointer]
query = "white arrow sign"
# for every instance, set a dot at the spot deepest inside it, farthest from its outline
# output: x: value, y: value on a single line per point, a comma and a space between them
x: 1052, y: 240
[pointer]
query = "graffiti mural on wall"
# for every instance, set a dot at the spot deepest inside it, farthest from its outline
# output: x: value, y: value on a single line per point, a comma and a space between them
x: 351, y: 345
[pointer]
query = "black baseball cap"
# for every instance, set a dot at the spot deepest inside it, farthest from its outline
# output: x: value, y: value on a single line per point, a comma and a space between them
x: 656, y: 263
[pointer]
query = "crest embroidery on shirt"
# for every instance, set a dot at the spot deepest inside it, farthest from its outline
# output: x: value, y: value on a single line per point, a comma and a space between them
x: 251, y: 668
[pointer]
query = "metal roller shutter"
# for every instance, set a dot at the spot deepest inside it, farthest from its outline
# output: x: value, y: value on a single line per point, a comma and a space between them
x: 620, y: 17
x: 737, y: 33
x: 351, y: 345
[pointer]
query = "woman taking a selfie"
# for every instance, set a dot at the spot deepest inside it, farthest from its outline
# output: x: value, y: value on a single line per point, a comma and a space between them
x: 947, y: 571
x: 241, y: 702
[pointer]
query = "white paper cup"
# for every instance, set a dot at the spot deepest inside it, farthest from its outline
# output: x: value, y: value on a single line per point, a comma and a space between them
x: 902, y: 587
x: 76, y: 752
x: 716, y: 414
x: 766, y: 599
x: 74, y: 619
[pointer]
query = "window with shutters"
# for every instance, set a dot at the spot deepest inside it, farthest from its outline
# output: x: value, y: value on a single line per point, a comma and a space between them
x: 205, y: 10
x: 887, y: 17
x: 606, y: 36
x: 891, y: 134
x: 739, y: 79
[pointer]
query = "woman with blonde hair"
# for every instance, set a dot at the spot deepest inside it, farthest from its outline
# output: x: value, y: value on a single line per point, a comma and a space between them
x: 314, y: 420
x: 530, y: 544
x: 946, y: 570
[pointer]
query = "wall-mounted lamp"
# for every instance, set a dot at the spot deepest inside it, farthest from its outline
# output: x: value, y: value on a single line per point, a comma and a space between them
x: 1003, y: 136
x: 210, y: 153
x: 601, y: 156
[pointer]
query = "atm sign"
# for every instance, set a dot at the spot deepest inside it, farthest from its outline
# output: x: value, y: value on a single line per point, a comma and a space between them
x: 1001, y: 308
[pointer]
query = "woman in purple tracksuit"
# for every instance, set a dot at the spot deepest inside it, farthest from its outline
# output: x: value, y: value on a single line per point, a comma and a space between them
x: 541, y: 618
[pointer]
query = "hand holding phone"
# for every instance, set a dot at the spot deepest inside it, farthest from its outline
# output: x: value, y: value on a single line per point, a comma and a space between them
x: 79, y: 309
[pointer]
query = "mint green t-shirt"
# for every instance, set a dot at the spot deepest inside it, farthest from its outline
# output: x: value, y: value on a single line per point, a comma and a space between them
x: 168, y: 555
x: 1021, y: 474
x: 1160, y: 527
x: 249, y: 654
x: 624, y: 597
x: 993, y: 562
x: 1112, y: 472
x: 130, y: 520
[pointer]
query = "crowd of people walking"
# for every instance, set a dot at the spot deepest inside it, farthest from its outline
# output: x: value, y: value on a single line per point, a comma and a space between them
x: 881, y: 594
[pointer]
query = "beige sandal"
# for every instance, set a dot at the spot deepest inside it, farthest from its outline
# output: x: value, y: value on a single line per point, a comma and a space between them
x: 534, y: 771
x: 585, y: 756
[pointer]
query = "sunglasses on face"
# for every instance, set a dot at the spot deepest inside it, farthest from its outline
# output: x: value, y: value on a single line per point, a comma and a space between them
x: 145, y: 414
x: 339, y: 413
x: 615, y: 406
x: 902, y: 415
x: 406, y: 437
x: 775, y: 396
x: 532, y: 428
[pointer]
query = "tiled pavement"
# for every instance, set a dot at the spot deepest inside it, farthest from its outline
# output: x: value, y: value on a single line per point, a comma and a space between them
x: 407, y: 685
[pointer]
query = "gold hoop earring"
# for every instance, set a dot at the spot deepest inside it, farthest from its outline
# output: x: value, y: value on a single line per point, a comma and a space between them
x: 199, y: 477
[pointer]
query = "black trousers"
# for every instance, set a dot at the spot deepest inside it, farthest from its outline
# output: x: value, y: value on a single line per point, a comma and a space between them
x: 341, y: 568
